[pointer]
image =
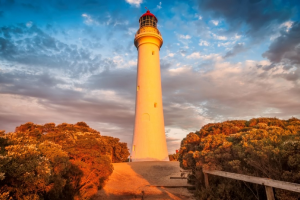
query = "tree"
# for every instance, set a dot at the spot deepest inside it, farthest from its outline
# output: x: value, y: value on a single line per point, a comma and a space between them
x: 26, y: 170
x: 66, y: 161
x: 118, y: 151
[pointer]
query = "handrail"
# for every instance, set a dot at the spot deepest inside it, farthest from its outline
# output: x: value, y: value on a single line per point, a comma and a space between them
x: 268, y: 183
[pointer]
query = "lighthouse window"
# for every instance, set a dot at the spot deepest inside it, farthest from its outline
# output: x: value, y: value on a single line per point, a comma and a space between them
x: 152, y: 52
x: 155, y: 104
x: 137, y: 88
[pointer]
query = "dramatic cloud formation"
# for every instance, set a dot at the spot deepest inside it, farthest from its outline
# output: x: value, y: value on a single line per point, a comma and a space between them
x: 259, y: 16
x: 62, y: 62
x: 286, y: 47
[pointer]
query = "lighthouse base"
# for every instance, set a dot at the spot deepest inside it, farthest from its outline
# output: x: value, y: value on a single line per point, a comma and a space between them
x: 149, y: 159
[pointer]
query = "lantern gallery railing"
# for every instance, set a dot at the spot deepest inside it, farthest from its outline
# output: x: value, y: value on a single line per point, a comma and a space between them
x: 148, y: 29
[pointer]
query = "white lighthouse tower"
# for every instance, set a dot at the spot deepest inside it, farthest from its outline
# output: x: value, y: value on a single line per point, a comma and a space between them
x: 149, y: 140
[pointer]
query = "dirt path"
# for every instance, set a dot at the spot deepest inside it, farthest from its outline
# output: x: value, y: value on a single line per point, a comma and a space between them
x: 138, y: 180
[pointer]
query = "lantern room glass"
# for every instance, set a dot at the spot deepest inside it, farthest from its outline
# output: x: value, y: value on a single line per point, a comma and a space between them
x: 148, y: 21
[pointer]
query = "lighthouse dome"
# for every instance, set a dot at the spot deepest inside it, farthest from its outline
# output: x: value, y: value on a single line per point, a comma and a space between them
x: 148, y: 13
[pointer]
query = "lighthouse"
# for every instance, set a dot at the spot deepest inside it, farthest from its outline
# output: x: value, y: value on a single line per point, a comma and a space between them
x: 149, y: 140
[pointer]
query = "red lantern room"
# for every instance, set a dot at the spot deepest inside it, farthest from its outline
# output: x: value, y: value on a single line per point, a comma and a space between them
x: 148, y: 19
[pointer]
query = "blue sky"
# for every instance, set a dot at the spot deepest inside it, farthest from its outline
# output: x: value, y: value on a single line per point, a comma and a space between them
x: 63, y: 61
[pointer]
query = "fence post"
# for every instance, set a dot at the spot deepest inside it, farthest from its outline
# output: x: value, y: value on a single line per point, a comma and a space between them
x: 206, y: 180
x: 269, y: 192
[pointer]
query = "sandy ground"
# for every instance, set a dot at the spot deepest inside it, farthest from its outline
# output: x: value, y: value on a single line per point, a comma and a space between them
x: 139, y: 180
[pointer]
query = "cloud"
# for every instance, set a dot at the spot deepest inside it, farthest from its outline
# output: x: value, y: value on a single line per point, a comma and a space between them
x: 131, y: 31
x: 215, y: 22
x: 171, y: 54
x: 48, y: 77
x: 51, y: 77
x: 227, y: 91
x: 237, y: 37
x: 284, y: 52
x: 122, y: 81
x: 186, y: 37
x: 135, y: 2
x: 198, y: 16
x: 28, y: 84
x: 212, y: 56
x: 257, y: 19
x: 132, y: 63
x: 286, y: 46
x: 287, y: 25
x: 159, y: 5
x: 114, y: 20
x: 182, y: 52
x: 173, y: 144
x: 218, y: 37
x: 195, y: 55
x: 29, y: 24
x: 41, y: 97
x: 32, y: 47
x: 224, y: 44
x: 88, y: 19
x: 170, y: 139
x: 203, y: 43
x: 238, y: 48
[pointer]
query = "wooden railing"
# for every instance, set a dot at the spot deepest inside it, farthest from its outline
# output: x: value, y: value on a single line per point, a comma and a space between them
x: 268, y: 183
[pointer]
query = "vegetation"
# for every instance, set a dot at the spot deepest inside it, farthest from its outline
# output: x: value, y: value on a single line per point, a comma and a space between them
x: 262, y: 147
x: 174, y: 157
x: 56, y: 162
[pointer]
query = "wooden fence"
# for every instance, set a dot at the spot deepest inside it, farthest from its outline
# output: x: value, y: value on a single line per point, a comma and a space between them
x: 268, y: 183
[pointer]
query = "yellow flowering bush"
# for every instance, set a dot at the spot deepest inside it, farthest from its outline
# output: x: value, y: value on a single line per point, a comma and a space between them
x: 67, y: 161
x: 262, y: 147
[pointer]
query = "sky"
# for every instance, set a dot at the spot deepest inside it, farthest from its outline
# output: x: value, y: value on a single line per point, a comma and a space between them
x: 70, y: 61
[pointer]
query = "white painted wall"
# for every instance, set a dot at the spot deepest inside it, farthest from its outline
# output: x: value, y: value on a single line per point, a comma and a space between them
x: 149, y: 140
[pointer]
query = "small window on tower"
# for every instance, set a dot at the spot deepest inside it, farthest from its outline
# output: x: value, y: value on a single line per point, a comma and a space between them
x: 133, y: 148
x: 137, y: 88
x: 155, y: 104
x: 153, y: 52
